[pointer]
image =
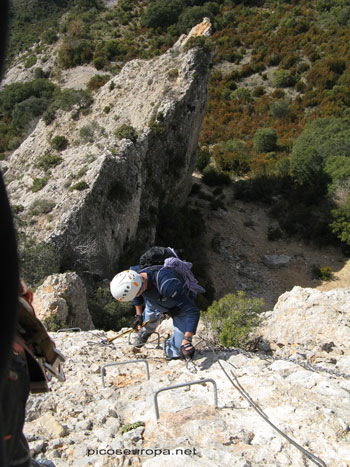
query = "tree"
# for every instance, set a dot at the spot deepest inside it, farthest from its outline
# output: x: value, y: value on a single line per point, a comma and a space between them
x: 162, y: 13
x: 321, y: 153
x: 265, y: 140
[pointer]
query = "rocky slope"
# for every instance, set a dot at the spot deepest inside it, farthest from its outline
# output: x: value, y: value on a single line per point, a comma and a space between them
x: 107, y: 191
x: 80, y: 423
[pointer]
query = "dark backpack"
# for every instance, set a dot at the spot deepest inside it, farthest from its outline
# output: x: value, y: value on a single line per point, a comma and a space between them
x: 156, y: 256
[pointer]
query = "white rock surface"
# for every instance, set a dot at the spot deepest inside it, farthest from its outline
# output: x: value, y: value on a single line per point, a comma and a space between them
x: 313, y: 408
x: 164, y: 100
x: 63, y: 295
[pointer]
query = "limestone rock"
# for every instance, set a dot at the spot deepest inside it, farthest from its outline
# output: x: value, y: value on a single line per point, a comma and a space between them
x: 310, y: 319
x: 122, y: 182
x: 276, y: 261
x: 64, y: 296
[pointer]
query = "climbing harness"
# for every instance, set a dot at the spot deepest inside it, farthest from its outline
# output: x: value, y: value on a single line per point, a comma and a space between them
x: 237, y: 385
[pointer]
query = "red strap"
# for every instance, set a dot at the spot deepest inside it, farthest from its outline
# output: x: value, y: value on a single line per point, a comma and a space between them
x: 7, y: 437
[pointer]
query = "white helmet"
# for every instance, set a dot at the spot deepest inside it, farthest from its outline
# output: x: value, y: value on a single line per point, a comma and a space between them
x: 125, y: 285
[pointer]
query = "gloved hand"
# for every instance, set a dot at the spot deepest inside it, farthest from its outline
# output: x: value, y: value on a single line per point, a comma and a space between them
x: 137, y: 322
x: 187, y: 351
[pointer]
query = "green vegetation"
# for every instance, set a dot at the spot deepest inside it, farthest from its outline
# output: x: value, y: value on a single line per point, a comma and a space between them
x: 131, y: 426
x: 37, y: 260
x: 41, y: 206
x: 53, y: 323
x: 126, y: 131
x: 39, y: 183
x: 233, y: 317
x: 59, y: 142
x: 107, y: 313
x: 79, y: 186
x: 49, y: 160
x: 322, y: 273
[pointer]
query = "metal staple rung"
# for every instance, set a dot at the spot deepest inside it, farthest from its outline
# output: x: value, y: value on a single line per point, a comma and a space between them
x: 201, y: 381
x: 102, y: 372
x: 69, y: 329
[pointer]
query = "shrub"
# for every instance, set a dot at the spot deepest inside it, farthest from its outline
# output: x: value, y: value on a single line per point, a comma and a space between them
x: 59, y: 143
x: 173, y: 73
x: 75, y: 52
x: 341, y: 222
x: 37, y: 261
x: 232, y: 156
x: 284, y: 79
x: 99, y: 63
x: 107, y: 313
x: 240, y: 94
x: 39, y: 183
x: 203, y: 158
x: 49, y: 36
x: 265, y: 140
x: 49, y: 160
x: 324, y: 274
x: 41, y: 206
x: 131, y: 426
x: 80, y: 186
x: 213, y: 177
x: 259, y: 91
x: 233, y: 317
x: 14, y: 143
x: 31, y: 60
x: 28, y: 109
x: 161, y: 13
x: 316, y: 151
x: 97, y: 82
x: 86, y: 133
x: 280, y: 108
x: 53, y: 323
x: 126, y: 131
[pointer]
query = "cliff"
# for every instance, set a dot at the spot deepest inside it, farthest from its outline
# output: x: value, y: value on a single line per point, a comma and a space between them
x: 106, y: 190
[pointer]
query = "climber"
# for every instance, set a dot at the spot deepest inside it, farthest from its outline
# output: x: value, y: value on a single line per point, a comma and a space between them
x: 32, y: 362
x: 158, y: 291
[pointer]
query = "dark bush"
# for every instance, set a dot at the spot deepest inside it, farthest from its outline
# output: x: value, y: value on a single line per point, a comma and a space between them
x: 59, y: 143
x: 265, y: 140
x: 107, y: 313
x: 203, y: 158
x: 37, y: 261
x: 213, y: 177
x: 126, y: 131
x: 162, y: 13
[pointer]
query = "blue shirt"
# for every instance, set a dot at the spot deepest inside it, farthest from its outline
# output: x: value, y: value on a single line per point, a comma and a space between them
x: 167, y: 291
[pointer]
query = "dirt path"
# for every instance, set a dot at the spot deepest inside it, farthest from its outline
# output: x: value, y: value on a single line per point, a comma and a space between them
x: 236, y: 241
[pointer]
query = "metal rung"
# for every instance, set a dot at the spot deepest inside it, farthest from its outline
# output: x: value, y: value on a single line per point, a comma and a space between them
x: 201, y: 381
x: 103, y: 373
x: 154, y: 332
x: 69, y: 329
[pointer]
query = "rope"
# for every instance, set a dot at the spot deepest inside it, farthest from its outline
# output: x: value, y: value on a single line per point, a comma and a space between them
x: 236, y: 384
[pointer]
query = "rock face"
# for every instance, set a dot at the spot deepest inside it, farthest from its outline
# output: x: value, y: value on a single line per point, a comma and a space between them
x: 309, y: 405
x: 121, y: 183
x: 309, y: 320
x: 63, y: 298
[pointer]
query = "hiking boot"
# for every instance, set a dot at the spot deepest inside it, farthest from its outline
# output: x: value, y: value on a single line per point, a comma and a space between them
x: 141, y: 339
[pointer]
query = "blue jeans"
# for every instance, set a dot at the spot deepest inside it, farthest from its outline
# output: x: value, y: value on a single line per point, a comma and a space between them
x: 172, y: 345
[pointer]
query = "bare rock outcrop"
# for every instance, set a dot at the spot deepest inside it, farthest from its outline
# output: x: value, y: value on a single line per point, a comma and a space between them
x: 308, y: 319
x: 117, y: 423
x: 107, y: 191
x: 62, y: 297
